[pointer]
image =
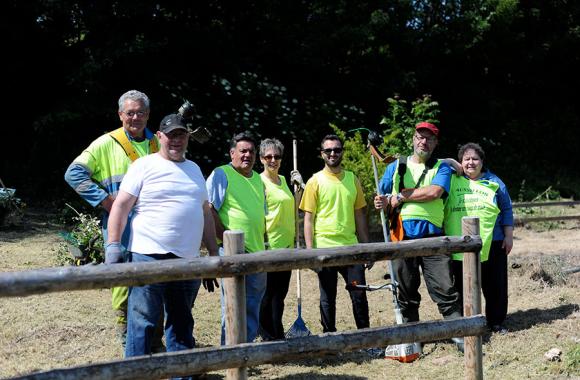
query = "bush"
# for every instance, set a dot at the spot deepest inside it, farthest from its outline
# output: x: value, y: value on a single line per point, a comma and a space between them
x: 398, y: 129
x: 9, y: 203
x: 572, y: 360
x: 84, y: 244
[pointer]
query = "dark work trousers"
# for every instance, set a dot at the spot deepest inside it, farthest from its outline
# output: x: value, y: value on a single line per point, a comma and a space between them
x: 327, y: 282
x: 494, y: 283
x: 438, y: 279
x: 272, y: 307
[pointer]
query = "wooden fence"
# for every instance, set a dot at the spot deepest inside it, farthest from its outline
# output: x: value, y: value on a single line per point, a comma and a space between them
x: 236, y: 356
x: 520, y: 221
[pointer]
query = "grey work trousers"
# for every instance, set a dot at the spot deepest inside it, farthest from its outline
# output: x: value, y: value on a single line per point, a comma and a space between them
x: 438, y: 279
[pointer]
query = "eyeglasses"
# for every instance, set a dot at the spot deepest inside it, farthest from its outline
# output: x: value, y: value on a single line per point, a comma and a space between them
x: 131, y: 114
x: 429, y: 139
x: 330, y: 150
x: 269, y: 157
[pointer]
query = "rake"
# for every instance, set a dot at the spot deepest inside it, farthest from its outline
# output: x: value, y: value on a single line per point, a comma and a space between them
x: 298, y: 329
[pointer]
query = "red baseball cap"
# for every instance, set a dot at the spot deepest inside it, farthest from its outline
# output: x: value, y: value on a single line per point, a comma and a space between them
x: 429, y: 126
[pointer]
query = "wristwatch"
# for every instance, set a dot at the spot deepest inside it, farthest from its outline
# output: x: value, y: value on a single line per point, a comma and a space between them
x: 400, y: 197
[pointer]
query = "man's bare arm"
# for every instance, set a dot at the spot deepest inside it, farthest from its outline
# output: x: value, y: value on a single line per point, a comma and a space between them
x: 362, y: 230
x: 119, y: 214
x: 219, y: 227
x: 308, y: 224
x: 209, y: 234
x: 422, y: 194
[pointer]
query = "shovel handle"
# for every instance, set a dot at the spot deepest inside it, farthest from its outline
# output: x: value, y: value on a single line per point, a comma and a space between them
x: 295, y: 154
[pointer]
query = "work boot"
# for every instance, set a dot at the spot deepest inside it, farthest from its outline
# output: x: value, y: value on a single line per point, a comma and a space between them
x: 373, y: 352
x: 121, y: 333
x: 500, y: 329
x: 459, y: 344
x: 121, y: 326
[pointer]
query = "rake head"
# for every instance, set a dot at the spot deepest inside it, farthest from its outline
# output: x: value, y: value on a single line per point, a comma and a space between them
x: 298, y: 330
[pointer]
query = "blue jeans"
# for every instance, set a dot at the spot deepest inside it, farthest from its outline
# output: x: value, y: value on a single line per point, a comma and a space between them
x: 145, y: 302
x: 255, y: 289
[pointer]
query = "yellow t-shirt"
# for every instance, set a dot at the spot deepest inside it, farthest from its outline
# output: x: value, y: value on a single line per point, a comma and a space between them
x: 332, y: 199
x: 280, y: 220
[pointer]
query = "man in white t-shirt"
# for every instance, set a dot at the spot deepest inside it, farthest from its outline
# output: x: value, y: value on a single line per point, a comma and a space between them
x: 171, y: 218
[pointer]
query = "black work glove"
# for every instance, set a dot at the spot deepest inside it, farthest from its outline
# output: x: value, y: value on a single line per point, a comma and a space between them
x: 209, y: 284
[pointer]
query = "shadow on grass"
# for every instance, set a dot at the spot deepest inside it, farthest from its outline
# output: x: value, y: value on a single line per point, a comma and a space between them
x: 322, y: 361
x: 27, y: 225
x: 524, y: 319
x: 313, y: 375
x: 331, y: 360
x: 310, y: 374
x: 297, y: 376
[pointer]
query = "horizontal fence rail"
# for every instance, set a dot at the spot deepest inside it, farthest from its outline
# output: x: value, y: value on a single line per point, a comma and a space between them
x: 202, y: 360
x: 17, y: 284
x: 522, y: 220
x: 545, y: 204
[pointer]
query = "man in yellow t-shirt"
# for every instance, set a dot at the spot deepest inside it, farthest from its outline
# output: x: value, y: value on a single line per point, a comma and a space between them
x: 334, y: 216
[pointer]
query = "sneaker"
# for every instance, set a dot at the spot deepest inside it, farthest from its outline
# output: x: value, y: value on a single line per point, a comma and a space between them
x: 500, y: 329
x: 374, y: 352
x: 158, y: 348
x: 459, y: 344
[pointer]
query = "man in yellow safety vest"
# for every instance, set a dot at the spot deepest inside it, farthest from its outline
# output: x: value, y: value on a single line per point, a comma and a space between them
x: 97, y: 172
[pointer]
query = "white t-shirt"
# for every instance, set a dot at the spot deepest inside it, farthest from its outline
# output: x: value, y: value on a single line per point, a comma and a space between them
x: 168, y: 214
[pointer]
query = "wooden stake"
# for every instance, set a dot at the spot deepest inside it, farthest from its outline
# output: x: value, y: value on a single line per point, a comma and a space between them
x: 235, y: 299
x: 472, y: 301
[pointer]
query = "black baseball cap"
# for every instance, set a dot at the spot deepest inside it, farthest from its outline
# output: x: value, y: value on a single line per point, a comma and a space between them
x: 172, y: 122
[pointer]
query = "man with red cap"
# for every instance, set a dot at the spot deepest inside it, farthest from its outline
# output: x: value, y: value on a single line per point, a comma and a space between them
x: 415, y: 189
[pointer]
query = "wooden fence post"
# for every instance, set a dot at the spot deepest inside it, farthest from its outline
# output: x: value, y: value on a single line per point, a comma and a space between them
x: 235, y: 299
x: 472, y: 301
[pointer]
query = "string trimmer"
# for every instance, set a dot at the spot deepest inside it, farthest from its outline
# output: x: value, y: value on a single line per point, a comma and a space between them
x: 404, y: 352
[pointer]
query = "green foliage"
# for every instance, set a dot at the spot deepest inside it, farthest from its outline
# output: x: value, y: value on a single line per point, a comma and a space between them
x: 253, y: 102
x: 8, y: 199
x: 398, y: 124
x: 401, y: 119
x: 549, y: 194
x: 9, y: 203
x: 62, y: 255
x: 357, y: 159
x: 84, y: 244
x: 572, y: 360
